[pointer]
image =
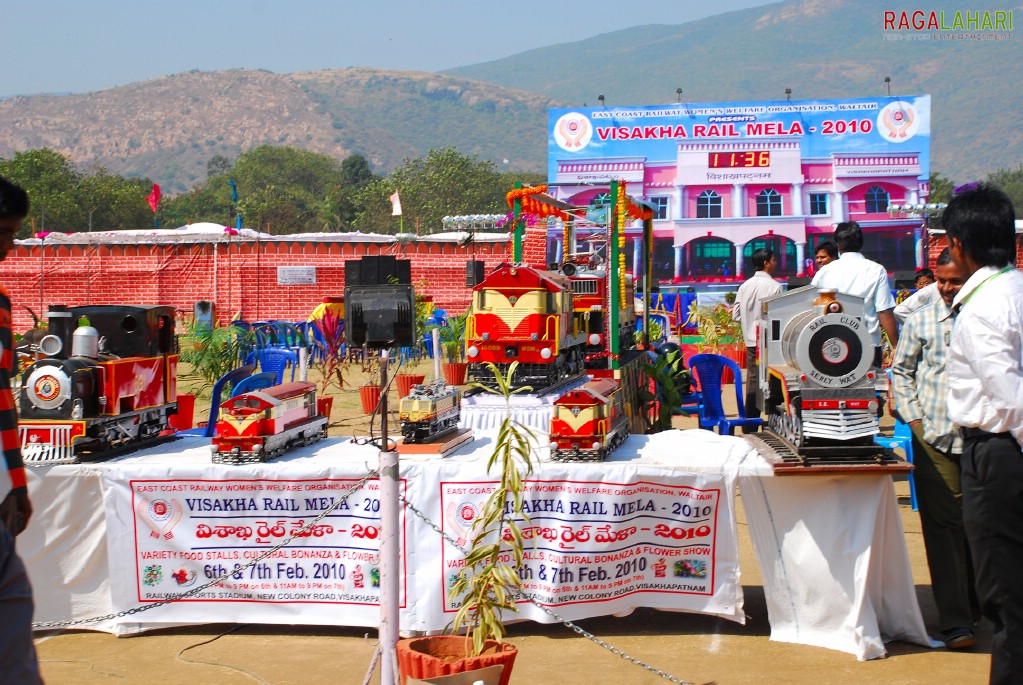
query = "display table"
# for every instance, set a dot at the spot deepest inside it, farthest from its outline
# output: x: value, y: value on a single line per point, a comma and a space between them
x: 654, y: 526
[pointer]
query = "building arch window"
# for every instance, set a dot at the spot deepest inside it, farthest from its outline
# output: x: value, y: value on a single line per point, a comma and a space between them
x: 768, y: 202
x: 708, y: 205
x: 876, y: 200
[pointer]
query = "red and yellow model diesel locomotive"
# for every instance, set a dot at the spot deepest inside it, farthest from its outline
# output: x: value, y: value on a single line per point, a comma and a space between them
x: 263, y: 424
x: 107, y: 381
x: 554, y: 323
x: 589, y: 421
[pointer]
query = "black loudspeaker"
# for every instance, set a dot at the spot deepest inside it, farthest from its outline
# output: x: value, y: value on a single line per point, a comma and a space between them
x: 378, y: 270
x: 473, y: 273
x: 353, y: 272
x: 380, y: 316
x: 798, y: 282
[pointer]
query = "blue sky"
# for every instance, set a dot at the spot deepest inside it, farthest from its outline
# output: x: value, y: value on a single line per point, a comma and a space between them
x: 59, y: 46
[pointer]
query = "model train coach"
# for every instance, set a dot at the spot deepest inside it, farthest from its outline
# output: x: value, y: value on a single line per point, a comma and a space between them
x: 263, y: 424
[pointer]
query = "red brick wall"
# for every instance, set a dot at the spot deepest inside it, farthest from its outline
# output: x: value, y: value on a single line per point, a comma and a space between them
x: 939, y: 243
x: 240, y: 278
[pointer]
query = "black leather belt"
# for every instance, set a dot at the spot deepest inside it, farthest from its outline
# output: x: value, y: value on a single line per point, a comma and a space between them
x: 978, y: 433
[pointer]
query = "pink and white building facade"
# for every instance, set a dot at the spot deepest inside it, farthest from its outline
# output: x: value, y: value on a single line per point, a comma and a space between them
x: 725, y: 179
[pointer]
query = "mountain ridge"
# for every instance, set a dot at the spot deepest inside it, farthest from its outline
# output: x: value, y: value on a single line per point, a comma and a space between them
x: 167, y: 128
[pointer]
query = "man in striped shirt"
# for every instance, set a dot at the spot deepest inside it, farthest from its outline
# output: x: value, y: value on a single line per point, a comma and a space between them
x: 920, y: 387
x: 17, y: 651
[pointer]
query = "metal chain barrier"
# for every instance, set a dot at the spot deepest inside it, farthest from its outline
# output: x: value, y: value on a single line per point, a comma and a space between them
x: 185, y: 595
x: 323, y: 514
x: 550, y: 612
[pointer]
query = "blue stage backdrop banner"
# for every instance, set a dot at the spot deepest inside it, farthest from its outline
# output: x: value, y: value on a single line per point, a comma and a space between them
x: 729, y: 142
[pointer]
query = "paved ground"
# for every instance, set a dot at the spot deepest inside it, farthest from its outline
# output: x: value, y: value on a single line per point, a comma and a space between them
x: 693, y: 648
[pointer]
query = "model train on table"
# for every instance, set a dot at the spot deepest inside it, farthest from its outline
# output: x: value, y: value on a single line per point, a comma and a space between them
x: 261, y: 425
x: 429, y: 411
x: 554, y: 323
x: 102, y: 386
x: 817, y: 374
x: 589, y: 421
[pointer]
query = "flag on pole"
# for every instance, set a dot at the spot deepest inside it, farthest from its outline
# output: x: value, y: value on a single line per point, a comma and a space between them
x: 395, y: 204
x: 154, y: 197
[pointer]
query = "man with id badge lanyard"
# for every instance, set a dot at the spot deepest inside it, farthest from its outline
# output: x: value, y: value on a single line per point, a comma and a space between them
x: 985, y: 399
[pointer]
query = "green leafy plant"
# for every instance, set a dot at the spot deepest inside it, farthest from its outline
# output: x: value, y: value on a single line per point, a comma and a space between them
x: 669, y: 378
x: 453, y: 338
x: 656, y: 332
x: 215, y: 350
x: 486, y: 585
x: 715, y: 325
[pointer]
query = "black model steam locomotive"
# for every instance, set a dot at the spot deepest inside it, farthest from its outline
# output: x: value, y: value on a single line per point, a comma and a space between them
x: 107, y: 380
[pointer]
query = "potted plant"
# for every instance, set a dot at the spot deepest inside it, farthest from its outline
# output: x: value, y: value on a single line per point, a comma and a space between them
x: 369, y: 393
x: 486, y: 585
x: 453, y: 342
x: 328, y: 356
x: 660, y: 396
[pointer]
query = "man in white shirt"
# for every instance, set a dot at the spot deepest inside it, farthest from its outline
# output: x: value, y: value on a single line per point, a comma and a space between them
x: 985, y: 399
x: 746, y: 311
x: 854, y: 274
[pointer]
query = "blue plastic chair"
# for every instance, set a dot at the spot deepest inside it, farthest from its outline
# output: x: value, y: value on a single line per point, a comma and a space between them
x: 902, y: 439
x: 692, y: 403
x: 256, y: 381
x: 277, y: 360
x: 709, y: 369
x: 225, y: 382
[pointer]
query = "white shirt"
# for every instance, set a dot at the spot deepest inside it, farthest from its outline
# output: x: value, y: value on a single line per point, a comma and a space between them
x: 985, y: 359
x: 854, y: 274
x: 918, y: 300
x: 746, y: 309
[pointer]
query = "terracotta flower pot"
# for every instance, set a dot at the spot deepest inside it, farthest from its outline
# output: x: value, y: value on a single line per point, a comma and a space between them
x: 324, y: 405
x: 429, y: 657
x: 370, y: 396
x: 405, y: 381
x: 454, y: 372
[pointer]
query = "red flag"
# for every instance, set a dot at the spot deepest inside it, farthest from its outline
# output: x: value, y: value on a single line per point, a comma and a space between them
x: 154, y: 197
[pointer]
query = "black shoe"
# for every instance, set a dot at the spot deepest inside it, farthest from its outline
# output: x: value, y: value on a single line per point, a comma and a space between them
x: 959, y: 638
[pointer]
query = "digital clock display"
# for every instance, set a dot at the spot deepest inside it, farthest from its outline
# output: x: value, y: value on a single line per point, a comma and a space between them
x: 739, y: 160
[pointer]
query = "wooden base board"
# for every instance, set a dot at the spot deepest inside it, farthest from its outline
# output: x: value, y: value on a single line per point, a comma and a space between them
x: 445, y: 444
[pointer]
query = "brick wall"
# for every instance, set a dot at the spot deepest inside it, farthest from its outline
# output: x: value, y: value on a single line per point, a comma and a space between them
x: 239, y: 277
x: 939, y: 243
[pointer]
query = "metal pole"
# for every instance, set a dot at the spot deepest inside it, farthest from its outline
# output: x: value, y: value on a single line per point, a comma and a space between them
x: 435, y: 334
x: 390, y: 547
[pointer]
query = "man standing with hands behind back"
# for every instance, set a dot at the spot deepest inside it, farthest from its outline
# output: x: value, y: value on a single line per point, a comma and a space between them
x: 17, y: 652
x: 746, y: 311
x: 985, y: 398
x: 920, y: 387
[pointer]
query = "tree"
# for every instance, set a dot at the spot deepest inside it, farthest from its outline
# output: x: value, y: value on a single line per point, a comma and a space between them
x: 217, y: 164
x: 941, y: 188
x: 50, y: 180
x: 1011, y: 183
x: 447, y: 183
x: 270, y: 209
x: 209, y: 202
x: 355, y: 172
x: 112, y: 202
x: 299, y: 179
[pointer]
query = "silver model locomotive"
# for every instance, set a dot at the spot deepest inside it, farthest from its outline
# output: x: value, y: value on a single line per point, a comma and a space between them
x: 817, y: 372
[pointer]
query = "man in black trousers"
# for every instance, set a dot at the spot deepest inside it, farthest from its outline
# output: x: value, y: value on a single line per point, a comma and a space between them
x: 985, y: 399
